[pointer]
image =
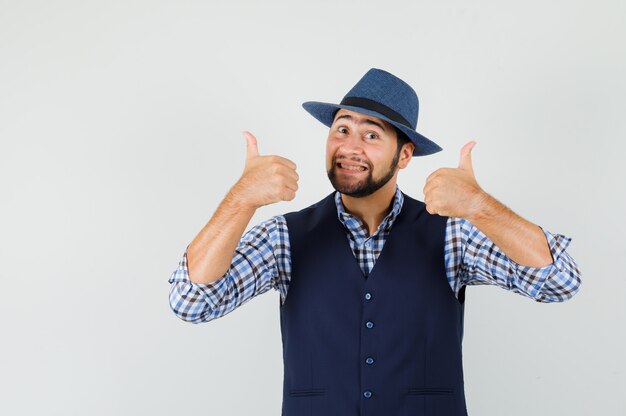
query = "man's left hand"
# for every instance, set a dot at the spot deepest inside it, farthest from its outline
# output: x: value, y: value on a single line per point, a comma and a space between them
x: 454, y: 192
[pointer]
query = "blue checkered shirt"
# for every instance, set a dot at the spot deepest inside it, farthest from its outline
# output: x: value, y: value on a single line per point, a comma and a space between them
x: 262, y: 261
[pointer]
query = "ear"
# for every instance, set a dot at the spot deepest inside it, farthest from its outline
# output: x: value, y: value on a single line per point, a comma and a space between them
x: 406, y: 154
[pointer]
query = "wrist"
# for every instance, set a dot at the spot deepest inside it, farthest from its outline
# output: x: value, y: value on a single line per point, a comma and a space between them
x: 236, y: 198
x: 484, y: 207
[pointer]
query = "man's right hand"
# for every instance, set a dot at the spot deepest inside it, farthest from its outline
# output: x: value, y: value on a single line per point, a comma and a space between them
x: 265, y: 179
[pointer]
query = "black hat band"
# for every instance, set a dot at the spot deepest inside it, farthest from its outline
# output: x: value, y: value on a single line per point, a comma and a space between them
x: 368, y: 104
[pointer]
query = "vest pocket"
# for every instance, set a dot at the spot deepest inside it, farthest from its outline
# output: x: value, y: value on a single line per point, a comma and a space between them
x: 311, y: 402
x: 430, y: 391
x: 307, y: 393
x: 432, y: 401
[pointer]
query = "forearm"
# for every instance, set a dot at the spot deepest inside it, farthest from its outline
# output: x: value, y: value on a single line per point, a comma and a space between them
x: 521, y: 240
x: 259, y: 264
x: 210, y: 253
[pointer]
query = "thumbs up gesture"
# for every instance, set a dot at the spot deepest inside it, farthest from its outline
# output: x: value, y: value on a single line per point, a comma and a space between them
x: 265, y: 179
x: 454, y: 192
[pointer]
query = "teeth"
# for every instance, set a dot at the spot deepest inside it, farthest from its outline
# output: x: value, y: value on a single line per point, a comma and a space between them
x: 352, y: 167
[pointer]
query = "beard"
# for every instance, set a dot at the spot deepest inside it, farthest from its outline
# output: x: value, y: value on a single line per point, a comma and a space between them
x: 365, y: 186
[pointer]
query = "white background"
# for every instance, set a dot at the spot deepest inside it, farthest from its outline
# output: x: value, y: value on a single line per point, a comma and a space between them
x: 120, y: 132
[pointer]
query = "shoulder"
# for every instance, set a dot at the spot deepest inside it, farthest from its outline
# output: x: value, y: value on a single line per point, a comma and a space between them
x: 270, y: 229
x: 416, y: 211
x: 308, y: 219
x: 326, y: 202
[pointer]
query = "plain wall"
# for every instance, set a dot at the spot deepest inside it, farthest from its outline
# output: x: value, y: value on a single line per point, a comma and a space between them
x: 120, y: 132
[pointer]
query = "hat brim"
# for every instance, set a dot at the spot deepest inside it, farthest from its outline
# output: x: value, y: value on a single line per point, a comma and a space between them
x: 325, y: 112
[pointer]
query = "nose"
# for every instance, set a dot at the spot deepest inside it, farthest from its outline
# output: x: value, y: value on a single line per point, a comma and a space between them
x: 351, y: 145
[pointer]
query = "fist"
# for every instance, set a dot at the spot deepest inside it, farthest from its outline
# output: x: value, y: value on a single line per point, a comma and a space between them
x: 454, y: 192
x: 265, y: 179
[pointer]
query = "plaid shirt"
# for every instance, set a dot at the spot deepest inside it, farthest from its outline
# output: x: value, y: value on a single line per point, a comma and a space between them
x: 262, y: 261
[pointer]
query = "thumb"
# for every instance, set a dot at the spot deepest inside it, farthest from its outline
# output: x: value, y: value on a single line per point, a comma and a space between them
x: 252, y: 150
x: 466, y: 156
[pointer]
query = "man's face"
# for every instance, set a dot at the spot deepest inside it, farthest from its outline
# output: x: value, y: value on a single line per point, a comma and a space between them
x: 362, y: 153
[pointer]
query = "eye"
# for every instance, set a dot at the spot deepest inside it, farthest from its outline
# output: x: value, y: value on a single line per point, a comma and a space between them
x: 371, y: 136
x: 342, y: 130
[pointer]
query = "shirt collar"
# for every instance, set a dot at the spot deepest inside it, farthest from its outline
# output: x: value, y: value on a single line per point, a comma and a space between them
x: 387, y: 222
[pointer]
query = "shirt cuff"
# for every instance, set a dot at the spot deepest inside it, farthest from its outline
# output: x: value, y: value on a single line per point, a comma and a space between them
x: 533, y: 279
x: 209, y: 292
x: 557, y: 243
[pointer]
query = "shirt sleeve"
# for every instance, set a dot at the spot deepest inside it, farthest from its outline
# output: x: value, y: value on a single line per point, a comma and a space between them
x: 473, y: 259
x: 261, y: 262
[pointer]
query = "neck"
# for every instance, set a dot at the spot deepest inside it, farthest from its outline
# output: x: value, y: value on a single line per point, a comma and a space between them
x: 373, y: 208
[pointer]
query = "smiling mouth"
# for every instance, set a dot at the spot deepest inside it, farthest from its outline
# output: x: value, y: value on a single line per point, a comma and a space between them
x: 351, y: 168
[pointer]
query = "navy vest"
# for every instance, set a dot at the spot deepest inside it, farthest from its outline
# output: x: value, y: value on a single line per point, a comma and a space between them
x: 385, y: 345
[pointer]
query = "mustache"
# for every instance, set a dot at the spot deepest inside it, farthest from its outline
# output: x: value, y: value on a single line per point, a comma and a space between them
x: 354, y: 159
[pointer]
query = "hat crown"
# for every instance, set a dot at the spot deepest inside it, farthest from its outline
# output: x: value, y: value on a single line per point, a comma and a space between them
x: 390, y: 91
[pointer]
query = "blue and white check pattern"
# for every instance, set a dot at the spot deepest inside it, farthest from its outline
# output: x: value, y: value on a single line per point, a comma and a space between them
x: 262, y: 261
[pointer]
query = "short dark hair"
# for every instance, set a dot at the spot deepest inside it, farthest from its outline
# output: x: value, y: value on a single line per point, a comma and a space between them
x: 401, y: 138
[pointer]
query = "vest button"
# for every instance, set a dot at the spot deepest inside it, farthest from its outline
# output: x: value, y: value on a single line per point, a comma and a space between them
x: 367, y: 394
x: 369, y: 360
x: 368, y: 296
x: 369, y: 324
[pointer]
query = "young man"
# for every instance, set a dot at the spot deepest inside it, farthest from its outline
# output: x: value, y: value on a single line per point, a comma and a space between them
x: 371, y: 281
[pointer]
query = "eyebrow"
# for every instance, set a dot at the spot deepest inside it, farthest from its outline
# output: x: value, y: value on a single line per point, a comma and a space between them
x: 365, y: 120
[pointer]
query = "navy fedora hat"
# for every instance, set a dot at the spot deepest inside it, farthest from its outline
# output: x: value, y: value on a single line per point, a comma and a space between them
x: 383, y: 95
